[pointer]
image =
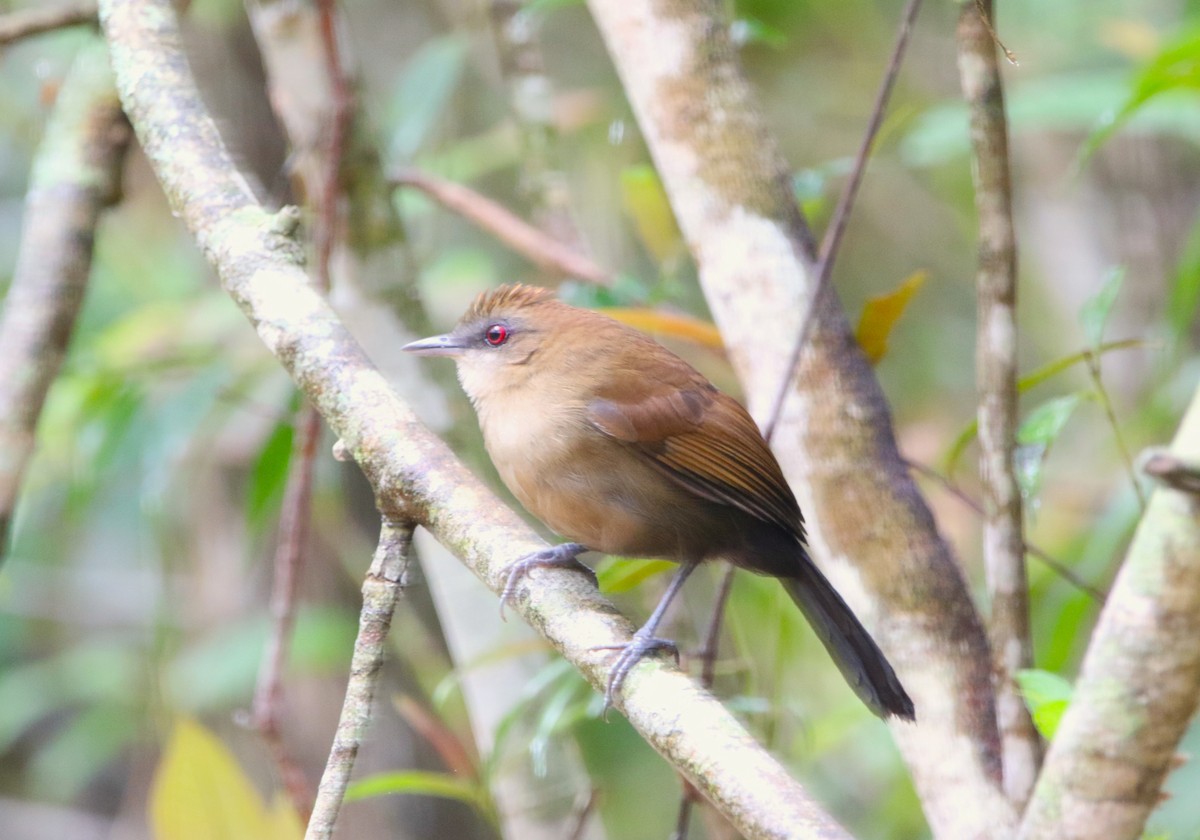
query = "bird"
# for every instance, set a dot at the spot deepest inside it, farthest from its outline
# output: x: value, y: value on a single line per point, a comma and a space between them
x: 620, y: 446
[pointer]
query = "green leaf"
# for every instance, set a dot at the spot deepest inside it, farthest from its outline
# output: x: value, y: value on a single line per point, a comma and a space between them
x: 1031, y: 380
x: 1040, y: 429
x: 1184, y: 296
x: 646, y: 203
x: 200, y: 793
x: 422, y: 783
x: 619, y: 575
x: 1047, y: 695
x: 749, y: 30
x: 546, y: 6
x: 1175, y: 70
x: 269, y: 474
x: 423, y: 92
x: 1051, y: 369
x: 880, y: 314
x: 1046, y: 422
x: 1094, y: 313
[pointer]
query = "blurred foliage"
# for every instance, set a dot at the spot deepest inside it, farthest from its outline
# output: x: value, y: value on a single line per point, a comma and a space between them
x: 135, y: 593
x: 200, y: 793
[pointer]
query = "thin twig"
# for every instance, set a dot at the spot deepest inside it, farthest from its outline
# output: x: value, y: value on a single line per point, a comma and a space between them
x: 708, y: 669
x: 343, y: 112
x: 536, y: 246
x: 289, y: 555
x: 28, y: 22
x: 996, y: 371
x: 381, y: 590
x: 295, y: 515
x: 832, y: 240
x: 1057, y: 566
x: 1092, y: 359
x: 77, y: 173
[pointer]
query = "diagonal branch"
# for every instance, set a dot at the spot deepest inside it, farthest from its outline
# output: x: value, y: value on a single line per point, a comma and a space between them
x: 28, y: 22
x: 996, y: 372
x: 535, y: 245
x: 76, y: 175
x: 1140, y: 682
x: 414, y: 475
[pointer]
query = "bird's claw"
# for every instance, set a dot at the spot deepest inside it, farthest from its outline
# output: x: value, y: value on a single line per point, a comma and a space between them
x: 641, y: 645
x: 561, y: 556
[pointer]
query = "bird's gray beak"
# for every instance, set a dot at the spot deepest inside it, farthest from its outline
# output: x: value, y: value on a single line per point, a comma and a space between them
x: 438, y: 345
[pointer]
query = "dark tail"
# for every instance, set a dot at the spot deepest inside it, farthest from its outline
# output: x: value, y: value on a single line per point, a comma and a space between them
x: 855, y: 653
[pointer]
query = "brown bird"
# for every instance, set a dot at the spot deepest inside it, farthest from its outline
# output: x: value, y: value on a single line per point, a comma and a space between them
x: 622, y: 447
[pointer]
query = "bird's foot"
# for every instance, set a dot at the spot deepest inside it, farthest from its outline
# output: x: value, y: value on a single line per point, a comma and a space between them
x: 643, y: 643
x: 560, y: 556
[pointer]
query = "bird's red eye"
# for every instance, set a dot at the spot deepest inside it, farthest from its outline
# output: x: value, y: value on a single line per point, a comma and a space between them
x: 496, y: 335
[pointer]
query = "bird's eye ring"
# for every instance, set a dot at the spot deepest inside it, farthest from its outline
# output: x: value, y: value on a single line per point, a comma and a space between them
x: 496, y: 335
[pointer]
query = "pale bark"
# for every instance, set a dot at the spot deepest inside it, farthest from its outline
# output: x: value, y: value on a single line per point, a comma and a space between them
x: 996, y: 375
x: 1140, y: 682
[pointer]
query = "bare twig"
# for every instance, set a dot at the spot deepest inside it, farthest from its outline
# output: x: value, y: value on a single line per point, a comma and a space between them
x: 339, y: 130
x: 1092, y: 358
x: 1171, y: 471
x: 536, y: 246
x: 289, y: 556
x: 1059, y: 568
x: 831, y: 242
x: 28, y: 22
x: 77, y: 174
x: 996, y: 371
x: 384, y: 582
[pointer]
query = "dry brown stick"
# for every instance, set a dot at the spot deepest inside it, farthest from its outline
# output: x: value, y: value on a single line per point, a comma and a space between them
x: 28, y: 22
x: 996, y: 372
x: 77, y: 173
x: 381, y: 590
x: 539, y: 248
x: 832, y: 240
x: 289, y: 556
x: 329, y: 190
x: 296, y: 512
x: 1056, y: 565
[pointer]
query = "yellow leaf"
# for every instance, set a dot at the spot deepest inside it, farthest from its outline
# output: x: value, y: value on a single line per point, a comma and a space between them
x: 1132, y: 38
x: 200, y: 793
x: 283, y: 823
x: 881, y: 313
x: 669, y: 324
x: 646, y: 203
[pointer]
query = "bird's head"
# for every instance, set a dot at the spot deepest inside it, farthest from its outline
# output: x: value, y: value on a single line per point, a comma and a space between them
x: 496, y: 342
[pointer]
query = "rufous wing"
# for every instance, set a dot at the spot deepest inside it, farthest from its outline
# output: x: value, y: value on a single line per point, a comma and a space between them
x: 705, y: 441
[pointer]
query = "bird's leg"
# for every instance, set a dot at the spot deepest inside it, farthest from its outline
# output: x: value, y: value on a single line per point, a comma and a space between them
x: 562, y: 556
x: 644, y: 641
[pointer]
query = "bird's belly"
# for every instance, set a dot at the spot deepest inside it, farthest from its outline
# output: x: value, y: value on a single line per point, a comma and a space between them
x: 617, y: 507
